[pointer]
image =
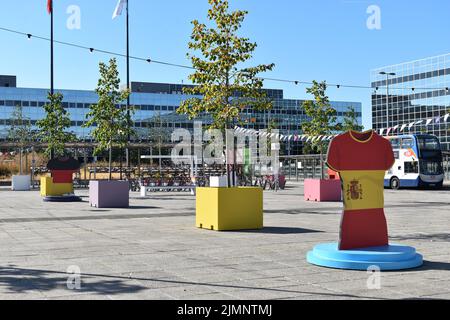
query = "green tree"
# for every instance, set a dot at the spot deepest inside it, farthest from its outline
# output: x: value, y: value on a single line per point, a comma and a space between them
x: 351, y: 121
x: 52, y: 128
x: 157, y: 131
x: 322, y: 119
x: 308, y: 149
x: 272, y: 125
x: 111, y: 122
x: 20, y: 132
x: 226, y: 87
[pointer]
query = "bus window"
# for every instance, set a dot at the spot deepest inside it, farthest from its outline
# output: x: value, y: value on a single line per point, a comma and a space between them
x: 411, y: 167
x: 428, y: 143
x: 407, y: 143
x: 431, y: 167
x: 395, y: 143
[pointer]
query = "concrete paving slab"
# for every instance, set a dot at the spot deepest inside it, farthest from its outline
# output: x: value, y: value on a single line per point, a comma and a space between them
x: 154, y: 251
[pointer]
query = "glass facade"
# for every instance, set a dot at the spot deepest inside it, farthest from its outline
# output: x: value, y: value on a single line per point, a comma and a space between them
x: 155, y: 106
x: 430, y: 98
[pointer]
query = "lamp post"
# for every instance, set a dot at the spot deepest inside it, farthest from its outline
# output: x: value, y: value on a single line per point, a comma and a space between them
x: 289, y: 141
x: 387, y: 74
x: 127, y: 150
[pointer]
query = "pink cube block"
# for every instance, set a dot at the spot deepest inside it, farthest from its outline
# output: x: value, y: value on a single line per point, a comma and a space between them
x: 109, y: 194
x: 322, y: 190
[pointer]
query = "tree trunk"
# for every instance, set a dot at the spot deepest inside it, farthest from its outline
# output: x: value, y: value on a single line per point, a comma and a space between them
x: 226, y: 157
x: 159, y: 152
x: 20, y: 161
x: 110, y: 162
x: 120, y: 162
x: 26, y: 162
x: 227, y: 101
x: 234, y: 166
x: 139, y: 162
x: 322, y: 166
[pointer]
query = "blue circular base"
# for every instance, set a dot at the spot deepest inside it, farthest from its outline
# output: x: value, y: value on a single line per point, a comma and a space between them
x: 62, y: 199
x: 391, y: 257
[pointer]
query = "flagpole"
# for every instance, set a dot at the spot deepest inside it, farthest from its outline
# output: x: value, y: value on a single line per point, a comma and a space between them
x: 128, y: 83
x: 51, y: 49
x: 52, y: 87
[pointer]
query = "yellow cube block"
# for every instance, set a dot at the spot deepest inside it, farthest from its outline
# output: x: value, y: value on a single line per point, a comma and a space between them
x: 223, y: 209
x: 48, y: 188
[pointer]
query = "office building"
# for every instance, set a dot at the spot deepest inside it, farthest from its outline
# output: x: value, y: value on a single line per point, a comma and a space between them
x: 155, y: 105
x: 418, y: 90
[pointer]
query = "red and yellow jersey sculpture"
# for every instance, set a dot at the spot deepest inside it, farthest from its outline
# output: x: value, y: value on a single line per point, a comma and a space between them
x: 361, y: 158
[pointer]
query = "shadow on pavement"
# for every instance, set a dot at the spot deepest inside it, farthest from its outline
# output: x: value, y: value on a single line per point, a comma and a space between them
x: 144, y: 207
x: 20, y: 280
x: 280, y: 230
x: 323, y: 211
x: 424, y: 236
x: 97, y: 217
x: 434, y: 265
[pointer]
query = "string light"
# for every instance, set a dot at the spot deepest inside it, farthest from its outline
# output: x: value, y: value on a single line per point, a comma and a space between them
x: 296, y: 82
x: 111, y: 53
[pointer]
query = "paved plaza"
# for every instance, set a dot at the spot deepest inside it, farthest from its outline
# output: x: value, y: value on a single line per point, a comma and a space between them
x: 153, y: 250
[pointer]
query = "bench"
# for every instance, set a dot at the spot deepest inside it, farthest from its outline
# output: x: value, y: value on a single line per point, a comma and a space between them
x: 146, y: 189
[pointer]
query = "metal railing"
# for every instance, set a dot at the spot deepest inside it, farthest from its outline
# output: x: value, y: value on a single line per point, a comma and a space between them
x: 308, y: 166
x: 301, y: 167
x: 446, y: 167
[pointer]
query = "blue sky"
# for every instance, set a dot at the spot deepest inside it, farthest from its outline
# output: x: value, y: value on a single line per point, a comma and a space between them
x: 306, y: 39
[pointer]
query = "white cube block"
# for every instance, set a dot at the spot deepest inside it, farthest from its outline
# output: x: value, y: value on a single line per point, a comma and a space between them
x: 218, y: 182
x: 21, y: 183
x: 143, y: 191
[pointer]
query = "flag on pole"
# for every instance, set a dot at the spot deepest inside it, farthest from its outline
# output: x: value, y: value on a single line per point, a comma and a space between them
x: 119, y: 8
x: 49, y: 6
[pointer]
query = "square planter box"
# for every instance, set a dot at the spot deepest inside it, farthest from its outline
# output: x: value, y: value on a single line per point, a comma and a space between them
x: 51, y: 189
x: 109, y: 194
x: 21, y: 183
x: 322, y: 190
x: 223, y: 209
